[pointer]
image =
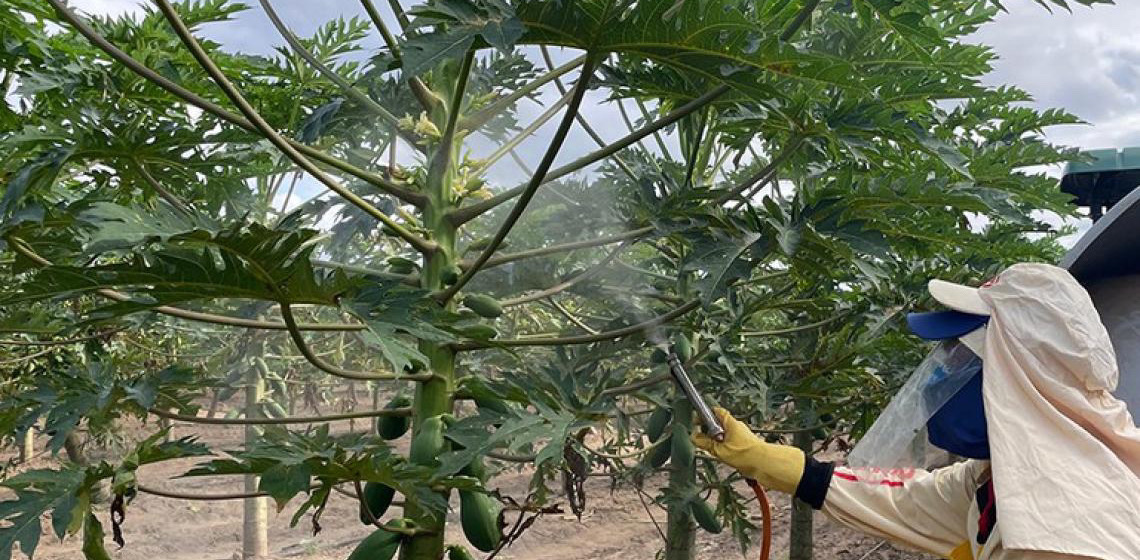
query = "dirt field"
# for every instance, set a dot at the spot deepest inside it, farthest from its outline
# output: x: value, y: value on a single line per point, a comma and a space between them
x: 615, y: 526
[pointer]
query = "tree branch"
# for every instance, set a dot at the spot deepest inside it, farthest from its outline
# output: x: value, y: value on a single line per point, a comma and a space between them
x: 597, y: 138
x: 274, y: 138
x: 29, y: 357
x: 473, y: 122
x: 398, y: 10
x: 563, y: 286
x: 208, y: 106
x: 321, y: 364
x: 467, y: 213
x: 348, y: 89
x: 765, y: 173
x: 173, y: 494
x: 536, y: 181
x: 801, y: 18
x: 646, y: 272
x: 570, y: 317
x: 512, y: 458
x: 590, y: 338
x: 795, y: 329
x: 283, y: 420
x: 427, y: 98
x: 571, y: 246
x: 166, y: 195
x: 657, y: 134
x: 510, y: 145
x: 20, y: 246
x: 411, y: 279
x: 637, y: 385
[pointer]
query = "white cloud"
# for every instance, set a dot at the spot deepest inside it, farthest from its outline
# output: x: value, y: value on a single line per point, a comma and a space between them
x: 107, y: 7
x: 1087, y: 62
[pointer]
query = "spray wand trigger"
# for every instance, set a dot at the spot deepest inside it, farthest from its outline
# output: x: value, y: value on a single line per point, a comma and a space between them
x: 708, y: 420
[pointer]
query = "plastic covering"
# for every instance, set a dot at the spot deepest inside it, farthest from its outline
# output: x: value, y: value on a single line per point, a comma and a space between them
x: 898, y: 437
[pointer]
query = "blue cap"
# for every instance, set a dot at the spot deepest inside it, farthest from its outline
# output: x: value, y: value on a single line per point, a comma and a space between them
x: 940, y: 325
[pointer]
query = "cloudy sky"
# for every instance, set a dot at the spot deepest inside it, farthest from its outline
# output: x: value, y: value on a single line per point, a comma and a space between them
x: 1082, y: 61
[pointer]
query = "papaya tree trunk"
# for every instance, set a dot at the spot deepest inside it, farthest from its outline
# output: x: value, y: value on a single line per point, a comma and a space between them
x: 435, y: 396
x: 74, y: 449
x: 28, y: 445
x: 680, y: 531
x: 801, y: 526
x: 255, y: 518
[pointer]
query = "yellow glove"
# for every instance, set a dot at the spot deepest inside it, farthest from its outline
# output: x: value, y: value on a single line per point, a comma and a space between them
x: 778, y: 467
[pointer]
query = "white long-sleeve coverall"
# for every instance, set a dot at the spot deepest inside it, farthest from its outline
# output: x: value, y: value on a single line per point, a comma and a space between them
x: 948, y: 511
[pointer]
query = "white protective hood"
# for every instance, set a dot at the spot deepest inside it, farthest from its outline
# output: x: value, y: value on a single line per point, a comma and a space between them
x: 1065, y: 452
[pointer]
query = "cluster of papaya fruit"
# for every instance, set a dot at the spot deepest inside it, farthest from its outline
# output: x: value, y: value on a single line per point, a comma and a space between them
x: 480, y: 514
x: 663, y: 447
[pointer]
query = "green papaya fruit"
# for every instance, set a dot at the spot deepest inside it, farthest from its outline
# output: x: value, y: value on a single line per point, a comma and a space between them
x: 392, y: 427
x: 479, y: 516
x: 480, y: 244
x: 377, y: 497
x: 657, y: 423
x: 274, y: 410
x: 428, y: 442
x: 683, y: 347
x: 475, y: 469
x: 492, y: 403
x: 661, y: 452
x: 457, y: 552
x: 705, y: 516
x: 451, y: 274
x: 380, y: 545
x: 400, y: 265
x: 480, y: 332
x: 278, y: 387
x: 484, y: 305
x: 682, y: 445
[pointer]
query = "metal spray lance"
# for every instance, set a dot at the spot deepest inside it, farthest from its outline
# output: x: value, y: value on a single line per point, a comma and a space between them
x: 708, y: 421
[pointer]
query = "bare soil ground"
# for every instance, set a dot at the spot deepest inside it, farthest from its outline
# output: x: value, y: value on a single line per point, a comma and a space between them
x: 615, y: 525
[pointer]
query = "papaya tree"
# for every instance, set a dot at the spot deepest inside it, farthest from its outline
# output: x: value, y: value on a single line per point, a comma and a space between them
x: 149, y: 175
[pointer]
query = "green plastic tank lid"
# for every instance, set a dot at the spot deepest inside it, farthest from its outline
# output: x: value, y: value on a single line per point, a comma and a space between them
x: 1104, y: 178
x: 1110, y: 159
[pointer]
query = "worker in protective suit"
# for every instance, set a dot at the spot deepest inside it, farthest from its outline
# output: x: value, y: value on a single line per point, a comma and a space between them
x: 1020, y: 386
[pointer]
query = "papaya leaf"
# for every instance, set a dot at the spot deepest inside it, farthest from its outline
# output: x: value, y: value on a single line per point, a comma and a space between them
x: 112, y: 226
x: 247, y: 261
x: 721, y: 260
x: 396, y: 316
x: 38, y: 174
x: 37, y: 492
x: 314, y: 125
x: 458, y: 25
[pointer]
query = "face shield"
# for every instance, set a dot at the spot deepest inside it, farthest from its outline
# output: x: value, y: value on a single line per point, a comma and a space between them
x: 939, y: 409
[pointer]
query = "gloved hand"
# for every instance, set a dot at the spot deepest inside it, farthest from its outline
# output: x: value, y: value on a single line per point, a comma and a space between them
x: 778, y: 467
